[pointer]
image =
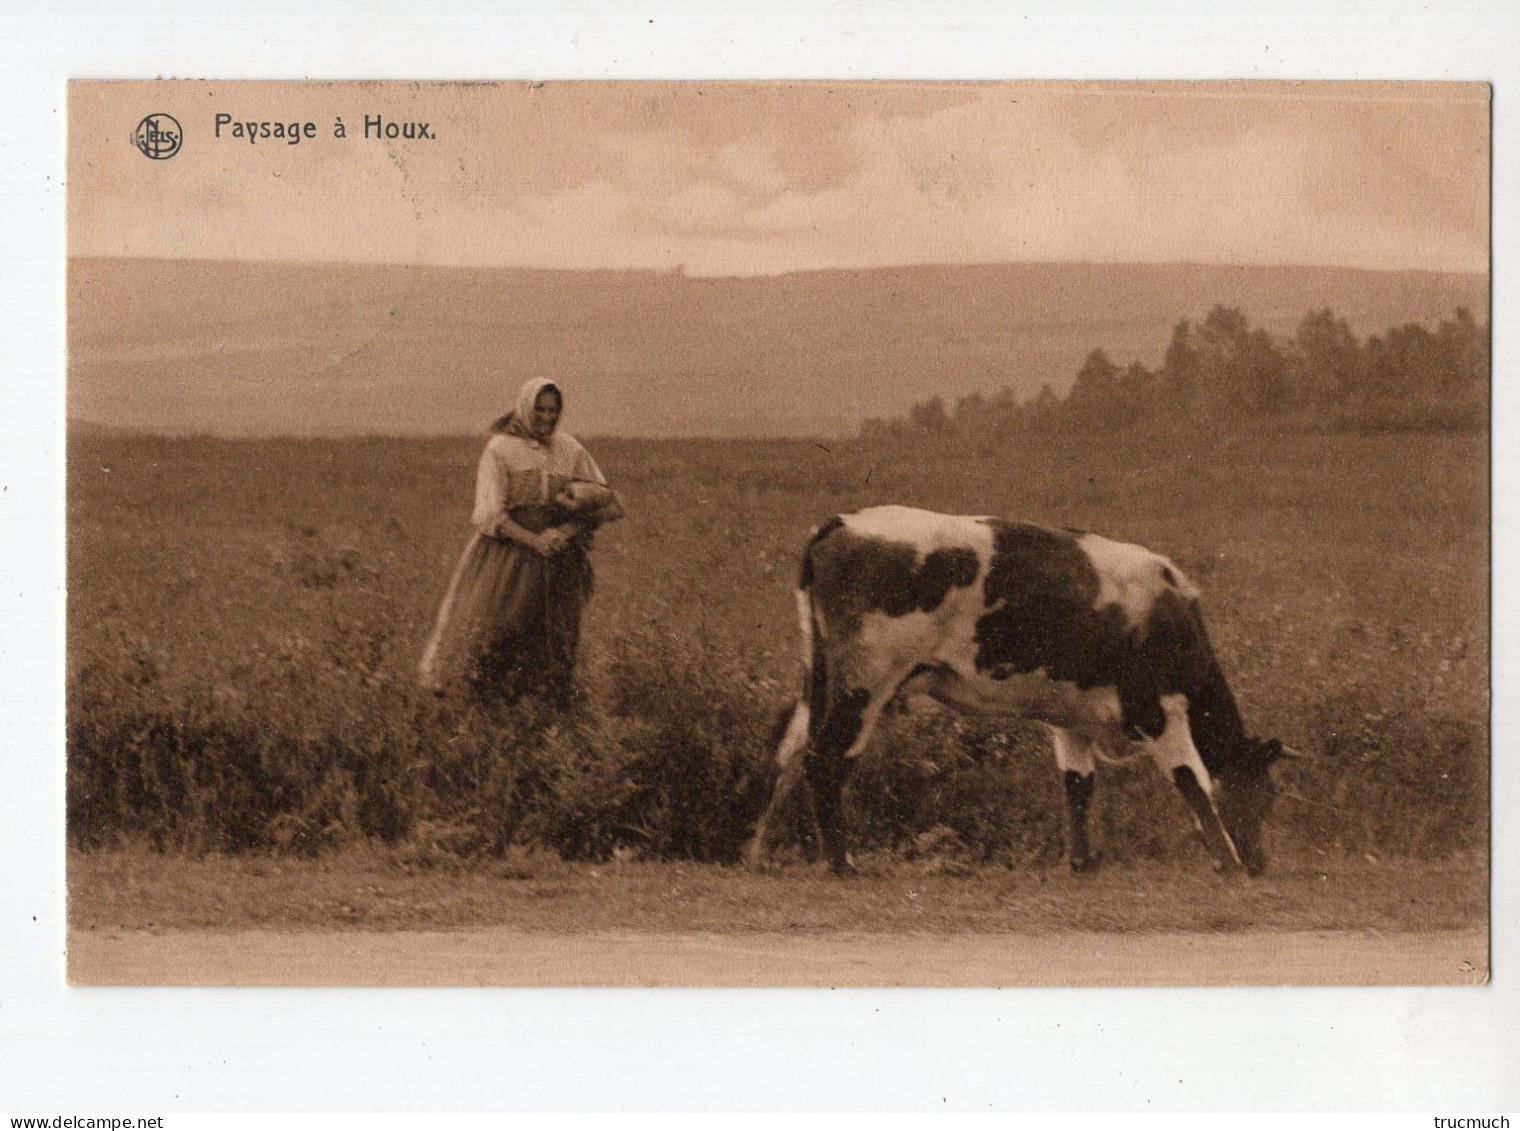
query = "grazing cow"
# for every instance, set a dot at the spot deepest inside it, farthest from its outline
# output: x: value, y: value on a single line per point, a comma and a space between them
x: 1092, y: 637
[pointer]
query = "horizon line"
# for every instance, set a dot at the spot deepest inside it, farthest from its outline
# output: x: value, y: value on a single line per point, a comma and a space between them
x: 138, y: 431
x: 681, y: 271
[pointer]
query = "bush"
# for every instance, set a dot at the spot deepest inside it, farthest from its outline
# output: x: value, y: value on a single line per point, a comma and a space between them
x: 1394, y: 781
x: 678, y: 765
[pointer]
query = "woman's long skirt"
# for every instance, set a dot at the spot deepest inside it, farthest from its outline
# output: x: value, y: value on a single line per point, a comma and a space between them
x: 510, y: 622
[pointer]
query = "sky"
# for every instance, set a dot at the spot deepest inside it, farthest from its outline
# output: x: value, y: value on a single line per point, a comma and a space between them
x: 746, y: 179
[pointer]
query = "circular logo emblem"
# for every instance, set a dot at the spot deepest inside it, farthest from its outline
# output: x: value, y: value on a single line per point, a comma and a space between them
x: 158, y: 136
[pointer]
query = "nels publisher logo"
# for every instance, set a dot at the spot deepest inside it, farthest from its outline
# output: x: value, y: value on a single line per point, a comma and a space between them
x: 158, y: 136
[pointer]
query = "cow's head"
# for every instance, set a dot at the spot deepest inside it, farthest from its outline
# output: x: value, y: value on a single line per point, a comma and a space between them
x: 1244, y: 793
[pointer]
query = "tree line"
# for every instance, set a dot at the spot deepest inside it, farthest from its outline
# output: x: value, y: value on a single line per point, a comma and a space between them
x: 1222, y: 372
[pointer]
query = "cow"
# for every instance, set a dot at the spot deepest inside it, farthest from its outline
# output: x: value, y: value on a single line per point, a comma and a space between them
x: 1097, y: 639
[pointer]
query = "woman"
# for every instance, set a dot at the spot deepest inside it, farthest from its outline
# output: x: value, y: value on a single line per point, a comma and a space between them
x: 511, y: 620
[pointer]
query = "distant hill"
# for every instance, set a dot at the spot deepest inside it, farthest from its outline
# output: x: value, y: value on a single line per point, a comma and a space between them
x: 243, y: 348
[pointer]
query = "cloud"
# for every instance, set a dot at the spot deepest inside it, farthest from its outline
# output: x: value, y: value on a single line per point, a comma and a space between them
x: 1071, y: 177
x: 737, y: 179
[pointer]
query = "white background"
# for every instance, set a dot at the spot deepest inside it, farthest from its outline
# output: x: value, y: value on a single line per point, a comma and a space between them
x: 80, y: 1051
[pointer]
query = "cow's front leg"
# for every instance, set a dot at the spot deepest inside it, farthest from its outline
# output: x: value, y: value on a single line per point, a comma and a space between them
x: 1075, y: 760
x: 1176, y: 757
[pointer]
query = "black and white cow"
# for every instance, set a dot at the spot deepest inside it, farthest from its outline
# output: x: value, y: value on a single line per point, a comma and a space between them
x: 1092, y: 637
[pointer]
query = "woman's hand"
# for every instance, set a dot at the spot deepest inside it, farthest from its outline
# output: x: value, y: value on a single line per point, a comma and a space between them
x: 551, y: 541
x: 583, y: 495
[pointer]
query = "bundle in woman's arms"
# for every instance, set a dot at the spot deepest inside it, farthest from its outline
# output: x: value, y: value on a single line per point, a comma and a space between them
x: 591, y: 502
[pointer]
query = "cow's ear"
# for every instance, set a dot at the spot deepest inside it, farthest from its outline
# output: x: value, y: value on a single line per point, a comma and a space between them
x: 1266, y: 751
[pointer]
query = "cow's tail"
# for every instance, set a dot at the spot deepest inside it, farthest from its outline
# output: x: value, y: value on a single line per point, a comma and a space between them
x: 799, y: 727
x: 808, y: 714
x: 796, y: 726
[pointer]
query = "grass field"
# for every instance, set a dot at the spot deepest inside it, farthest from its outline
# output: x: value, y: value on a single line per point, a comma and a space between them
x: 244, y: 618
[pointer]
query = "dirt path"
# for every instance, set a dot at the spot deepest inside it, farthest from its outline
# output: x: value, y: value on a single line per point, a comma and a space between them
x: 501, y: 957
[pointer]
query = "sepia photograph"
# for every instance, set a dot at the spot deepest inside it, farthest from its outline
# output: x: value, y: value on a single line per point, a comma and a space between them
x: 778, y: 534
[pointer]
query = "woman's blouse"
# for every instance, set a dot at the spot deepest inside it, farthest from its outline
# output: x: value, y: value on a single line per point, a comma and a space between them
x: 516, y: 471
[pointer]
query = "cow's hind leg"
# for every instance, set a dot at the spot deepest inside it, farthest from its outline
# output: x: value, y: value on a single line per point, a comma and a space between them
x: 1076, y: 761
x: 1176, y: 757
x: 791, y: 787
x: 836, y: 743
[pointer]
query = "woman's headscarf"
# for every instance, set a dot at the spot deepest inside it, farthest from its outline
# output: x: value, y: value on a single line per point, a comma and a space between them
x: 519, y: 422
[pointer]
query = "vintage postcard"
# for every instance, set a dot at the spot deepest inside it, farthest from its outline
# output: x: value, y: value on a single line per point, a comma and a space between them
x: 778, y: 534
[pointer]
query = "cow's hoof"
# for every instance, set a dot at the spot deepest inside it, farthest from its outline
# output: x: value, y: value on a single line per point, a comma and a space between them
x: 757, y: 857
x: 845, y: 868
x: 1081, y: 865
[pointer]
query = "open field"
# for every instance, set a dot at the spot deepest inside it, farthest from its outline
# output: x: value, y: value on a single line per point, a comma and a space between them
x: 244, y: 617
